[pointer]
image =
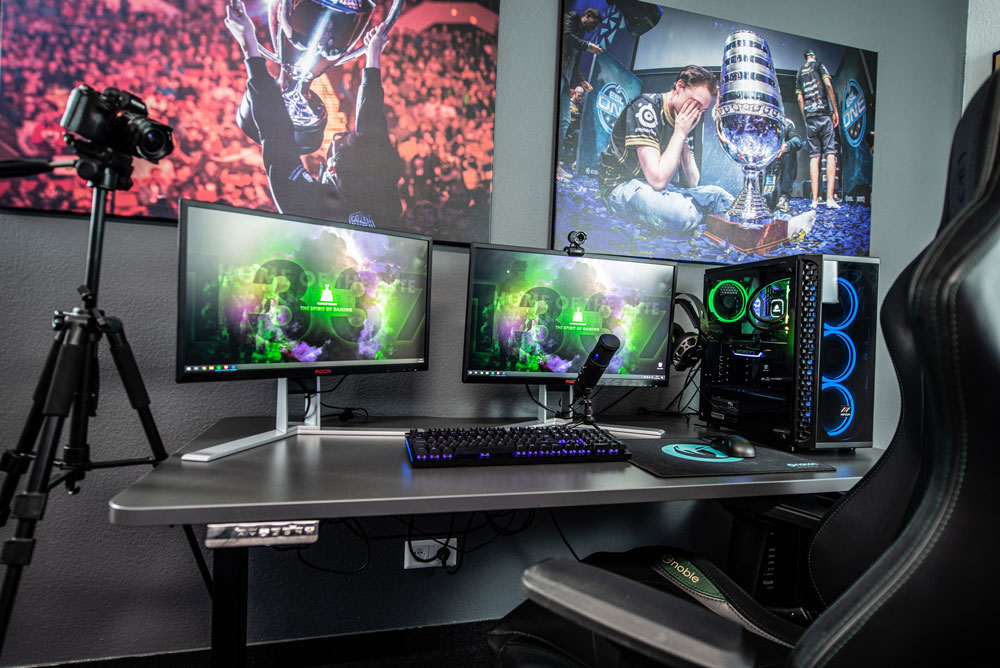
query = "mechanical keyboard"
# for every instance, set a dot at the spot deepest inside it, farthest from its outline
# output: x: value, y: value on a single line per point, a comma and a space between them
x: 487, y: 446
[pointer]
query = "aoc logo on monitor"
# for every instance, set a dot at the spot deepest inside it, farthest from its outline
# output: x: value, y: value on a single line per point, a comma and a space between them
x: 855, y: 112
x: 611, y: 101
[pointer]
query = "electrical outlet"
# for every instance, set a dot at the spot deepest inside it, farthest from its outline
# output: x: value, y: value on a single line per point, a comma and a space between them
x: 425, y: 549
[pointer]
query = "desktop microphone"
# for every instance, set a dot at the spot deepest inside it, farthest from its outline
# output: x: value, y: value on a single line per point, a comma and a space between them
x: 598, y: 360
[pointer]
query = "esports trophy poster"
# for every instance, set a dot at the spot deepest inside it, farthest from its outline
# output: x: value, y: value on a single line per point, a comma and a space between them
x: 374, y: 112
x: 692, y: 137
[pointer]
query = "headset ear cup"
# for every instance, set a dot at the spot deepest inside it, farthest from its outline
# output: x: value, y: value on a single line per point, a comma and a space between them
x: 688, y: 346
x: 687, y: 352
x: 676, y: 334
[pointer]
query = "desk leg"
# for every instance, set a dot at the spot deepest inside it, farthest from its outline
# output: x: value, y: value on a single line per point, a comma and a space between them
x: 229, y: 607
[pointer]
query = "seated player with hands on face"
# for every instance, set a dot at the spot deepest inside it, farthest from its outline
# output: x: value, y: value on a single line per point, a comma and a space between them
x: 359, y: 182
x: 650, y: 151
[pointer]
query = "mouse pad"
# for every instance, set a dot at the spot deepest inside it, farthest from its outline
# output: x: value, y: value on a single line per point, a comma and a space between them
x: 672, y: 458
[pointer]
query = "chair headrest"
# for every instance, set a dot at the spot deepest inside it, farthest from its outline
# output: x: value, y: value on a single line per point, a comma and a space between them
x: 973, y: 150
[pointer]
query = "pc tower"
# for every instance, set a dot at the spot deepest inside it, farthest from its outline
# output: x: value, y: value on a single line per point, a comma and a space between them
x: 790, y: 350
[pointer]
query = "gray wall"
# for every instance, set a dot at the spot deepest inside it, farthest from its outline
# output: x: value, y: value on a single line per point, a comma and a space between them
x: 981, y: 42
x: 96, y: 590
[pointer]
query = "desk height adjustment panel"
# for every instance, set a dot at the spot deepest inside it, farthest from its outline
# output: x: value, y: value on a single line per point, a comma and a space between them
x: 248, y: 534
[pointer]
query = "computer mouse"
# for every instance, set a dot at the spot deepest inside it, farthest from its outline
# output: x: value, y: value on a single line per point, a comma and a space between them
x: 735, y: 446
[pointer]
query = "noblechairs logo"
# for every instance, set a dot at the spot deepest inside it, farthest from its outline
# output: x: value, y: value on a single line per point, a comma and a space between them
x: 681, y: 569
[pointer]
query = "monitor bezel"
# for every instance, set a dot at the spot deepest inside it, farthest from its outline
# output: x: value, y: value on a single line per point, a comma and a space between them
x: 554, y: 380
x: 307, y: 369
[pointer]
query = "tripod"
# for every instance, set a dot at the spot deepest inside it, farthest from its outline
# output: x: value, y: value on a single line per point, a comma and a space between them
x: 68, y: 384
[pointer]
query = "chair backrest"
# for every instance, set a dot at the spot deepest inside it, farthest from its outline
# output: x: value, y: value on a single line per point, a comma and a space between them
x: 865, y: 521
x: 927, y: 600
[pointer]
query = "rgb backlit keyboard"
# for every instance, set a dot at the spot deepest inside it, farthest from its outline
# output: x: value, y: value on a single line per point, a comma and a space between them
x: 487, y: 446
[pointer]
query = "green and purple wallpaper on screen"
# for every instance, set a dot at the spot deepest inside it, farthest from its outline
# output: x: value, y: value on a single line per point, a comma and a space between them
x: 262, y: 290
x: 538, y: 313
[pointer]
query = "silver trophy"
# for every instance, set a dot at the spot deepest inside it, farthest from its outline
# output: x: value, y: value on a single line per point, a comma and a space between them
x: 309, y: 37
x: 749, y: 120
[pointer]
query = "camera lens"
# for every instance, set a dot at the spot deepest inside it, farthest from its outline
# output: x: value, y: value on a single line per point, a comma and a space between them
x: 153, y: 142
x: 143, y: 137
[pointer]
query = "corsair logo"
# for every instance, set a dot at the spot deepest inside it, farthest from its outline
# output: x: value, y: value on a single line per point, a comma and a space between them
x: 800, y: 465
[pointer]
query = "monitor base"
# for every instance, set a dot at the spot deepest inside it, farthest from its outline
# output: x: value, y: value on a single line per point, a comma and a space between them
x: 312, y: 425
x: 546, y: 420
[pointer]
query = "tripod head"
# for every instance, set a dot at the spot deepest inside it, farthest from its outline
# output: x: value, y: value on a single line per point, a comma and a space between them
x: 100, y: 166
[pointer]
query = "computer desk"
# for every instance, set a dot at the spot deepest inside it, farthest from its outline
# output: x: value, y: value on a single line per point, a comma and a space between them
x: 321, y: 477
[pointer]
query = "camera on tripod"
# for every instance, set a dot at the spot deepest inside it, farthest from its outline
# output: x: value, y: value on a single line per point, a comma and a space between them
x: 106, y: 130
x: 118, y: 120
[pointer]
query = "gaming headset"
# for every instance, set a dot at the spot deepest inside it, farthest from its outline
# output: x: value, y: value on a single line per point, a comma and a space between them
x: 687, y: 347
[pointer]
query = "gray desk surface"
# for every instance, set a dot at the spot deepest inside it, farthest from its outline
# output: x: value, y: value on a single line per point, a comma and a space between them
x: 312, y: 477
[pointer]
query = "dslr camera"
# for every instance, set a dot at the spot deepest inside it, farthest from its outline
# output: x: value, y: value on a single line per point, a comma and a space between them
x: 118, y: 120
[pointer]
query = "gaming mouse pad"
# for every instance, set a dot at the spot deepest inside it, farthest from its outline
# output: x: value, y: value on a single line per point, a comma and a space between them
x: 672, y: 458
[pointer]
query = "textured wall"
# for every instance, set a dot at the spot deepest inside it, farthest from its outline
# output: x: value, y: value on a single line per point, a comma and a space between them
x: 983, y: 38
x: 97, y: 590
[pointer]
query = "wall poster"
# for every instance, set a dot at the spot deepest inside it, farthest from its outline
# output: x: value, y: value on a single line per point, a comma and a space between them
x: 376, y: 112
x: 690, y: 137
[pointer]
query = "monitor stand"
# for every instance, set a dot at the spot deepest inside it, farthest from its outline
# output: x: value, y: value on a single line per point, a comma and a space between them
x: 282, y: 429
x: 546, y: 419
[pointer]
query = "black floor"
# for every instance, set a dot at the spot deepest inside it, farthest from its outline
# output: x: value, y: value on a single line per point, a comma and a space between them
x: 455, y: 645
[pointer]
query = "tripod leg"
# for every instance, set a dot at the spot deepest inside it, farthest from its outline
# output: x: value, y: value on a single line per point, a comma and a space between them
x: 76, y: 452
x: 128, y: 369
x: 29, y: 506
x: 16, y: 462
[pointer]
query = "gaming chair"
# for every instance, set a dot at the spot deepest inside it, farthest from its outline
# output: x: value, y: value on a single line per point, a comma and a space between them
x: 905, y: 560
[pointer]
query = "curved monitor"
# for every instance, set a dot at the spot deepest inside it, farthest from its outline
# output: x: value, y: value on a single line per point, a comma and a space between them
x: 265, y: 295
x: 533, y: 316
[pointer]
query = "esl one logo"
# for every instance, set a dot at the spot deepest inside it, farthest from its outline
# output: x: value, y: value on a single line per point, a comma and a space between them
x: 855, y: 112
x: 611, y: 101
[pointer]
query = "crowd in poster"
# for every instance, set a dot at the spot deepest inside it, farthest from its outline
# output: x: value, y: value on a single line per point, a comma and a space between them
x: 380, y: 112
